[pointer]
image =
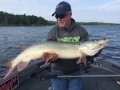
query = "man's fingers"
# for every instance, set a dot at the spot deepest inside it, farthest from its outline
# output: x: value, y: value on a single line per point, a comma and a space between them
x: 49, y: 57
x: 53, y: 57
x: 46, y: 61
x: 45, y: 56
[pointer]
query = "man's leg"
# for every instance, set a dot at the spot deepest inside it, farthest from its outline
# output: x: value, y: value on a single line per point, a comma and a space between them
x: 59, y: 83
x: 75, y: 83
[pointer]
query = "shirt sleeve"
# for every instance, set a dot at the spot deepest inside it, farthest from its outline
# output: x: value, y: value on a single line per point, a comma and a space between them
x: 51, y: 35
x: 84, y: 36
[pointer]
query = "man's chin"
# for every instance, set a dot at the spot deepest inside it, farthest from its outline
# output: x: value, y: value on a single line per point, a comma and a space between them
x: 61, y: 24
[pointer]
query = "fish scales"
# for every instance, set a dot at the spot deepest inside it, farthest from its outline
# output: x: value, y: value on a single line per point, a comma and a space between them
x: 64, y: 50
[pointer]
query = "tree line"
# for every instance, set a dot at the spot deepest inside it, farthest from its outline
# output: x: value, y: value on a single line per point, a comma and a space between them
x: 8, y: 19
x: 96, y: 23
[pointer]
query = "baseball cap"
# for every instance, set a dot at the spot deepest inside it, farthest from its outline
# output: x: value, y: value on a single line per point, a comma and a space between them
x: 62, y: 8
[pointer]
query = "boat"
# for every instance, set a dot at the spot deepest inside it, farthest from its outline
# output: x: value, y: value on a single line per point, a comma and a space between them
x: 101, y: 74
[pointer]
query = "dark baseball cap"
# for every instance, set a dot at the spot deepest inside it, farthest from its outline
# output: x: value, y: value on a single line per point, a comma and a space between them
x: 62, y: 8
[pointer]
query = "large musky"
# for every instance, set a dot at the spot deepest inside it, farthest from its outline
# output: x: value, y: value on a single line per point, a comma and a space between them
x: 82, y: 10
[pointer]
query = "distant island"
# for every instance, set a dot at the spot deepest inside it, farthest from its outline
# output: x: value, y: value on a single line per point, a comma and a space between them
x: 8, y: 19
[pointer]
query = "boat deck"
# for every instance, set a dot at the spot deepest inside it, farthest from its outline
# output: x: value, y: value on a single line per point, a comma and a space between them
x: 35, y: 83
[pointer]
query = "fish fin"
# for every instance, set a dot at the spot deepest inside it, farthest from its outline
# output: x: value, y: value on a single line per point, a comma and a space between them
x: 82, y: 58
x: 8, y: 72
x: 22, y: 65
x: 8, y: 64
x: 79, y: 60
x: 84, y: 61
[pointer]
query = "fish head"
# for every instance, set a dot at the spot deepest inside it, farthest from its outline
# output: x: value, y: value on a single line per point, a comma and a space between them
x: 93, y: 46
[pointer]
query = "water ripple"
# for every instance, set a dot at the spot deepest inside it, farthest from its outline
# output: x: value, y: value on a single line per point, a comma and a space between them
x: 12, y: 37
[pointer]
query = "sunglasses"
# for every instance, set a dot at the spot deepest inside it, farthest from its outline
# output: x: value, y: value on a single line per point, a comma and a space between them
x: 60, y: 16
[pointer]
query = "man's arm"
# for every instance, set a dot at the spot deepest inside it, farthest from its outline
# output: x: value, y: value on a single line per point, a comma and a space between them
x: 47, y: 56
x: 84, y: 36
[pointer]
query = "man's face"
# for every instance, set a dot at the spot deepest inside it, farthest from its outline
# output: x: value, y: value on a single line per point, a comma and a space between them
x: 64, y: 20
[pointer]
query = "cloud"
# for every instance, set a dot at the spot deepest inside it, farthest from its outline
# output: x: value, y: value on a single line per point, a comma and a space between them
x: 109, y: 6
x: 113, y: 5
x: 107, y: 12
x: 82, y: 9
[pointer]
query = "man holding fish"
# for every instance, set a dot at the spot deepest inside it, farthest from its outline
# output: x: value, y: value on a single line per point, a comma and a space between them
x: 66, y: 54
x: 66, y: 30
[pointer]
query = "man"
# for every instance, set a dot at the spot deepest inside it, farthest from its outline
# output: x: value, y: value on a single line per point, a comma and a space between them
x: 66, y: 30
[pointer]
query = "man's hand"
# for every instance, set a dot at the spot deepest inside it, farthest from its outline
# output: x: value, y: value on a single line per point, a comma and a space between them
x: 49, y: 57
x: 23, y: 47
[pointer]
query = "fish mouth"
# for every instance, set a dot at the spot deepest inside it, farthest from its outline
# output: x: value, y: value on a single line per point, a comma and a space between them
x: 99, y: 44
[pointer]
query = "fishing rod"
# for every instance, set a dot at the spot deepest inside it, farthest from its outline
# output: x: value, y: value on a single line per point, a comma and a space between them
x: 80, y: 76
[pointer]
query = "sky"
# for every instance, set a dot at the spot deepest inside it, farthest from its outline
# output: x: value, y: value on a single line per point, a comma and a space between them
x: 107, y: 11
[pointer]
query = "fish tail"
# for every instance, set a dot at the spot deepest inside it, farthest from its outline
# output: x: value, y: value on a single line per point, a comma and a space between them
x: 9, y: 65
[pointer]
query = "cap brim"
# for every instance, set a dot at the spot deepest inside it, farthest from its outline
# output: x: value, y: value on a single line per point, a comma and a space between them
x: 53, y: 14
x: 58, y: 12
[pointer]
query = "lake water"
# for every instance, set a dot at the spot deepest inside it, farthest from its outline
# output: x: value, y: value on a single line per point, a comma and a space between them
x: 12, y: 37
